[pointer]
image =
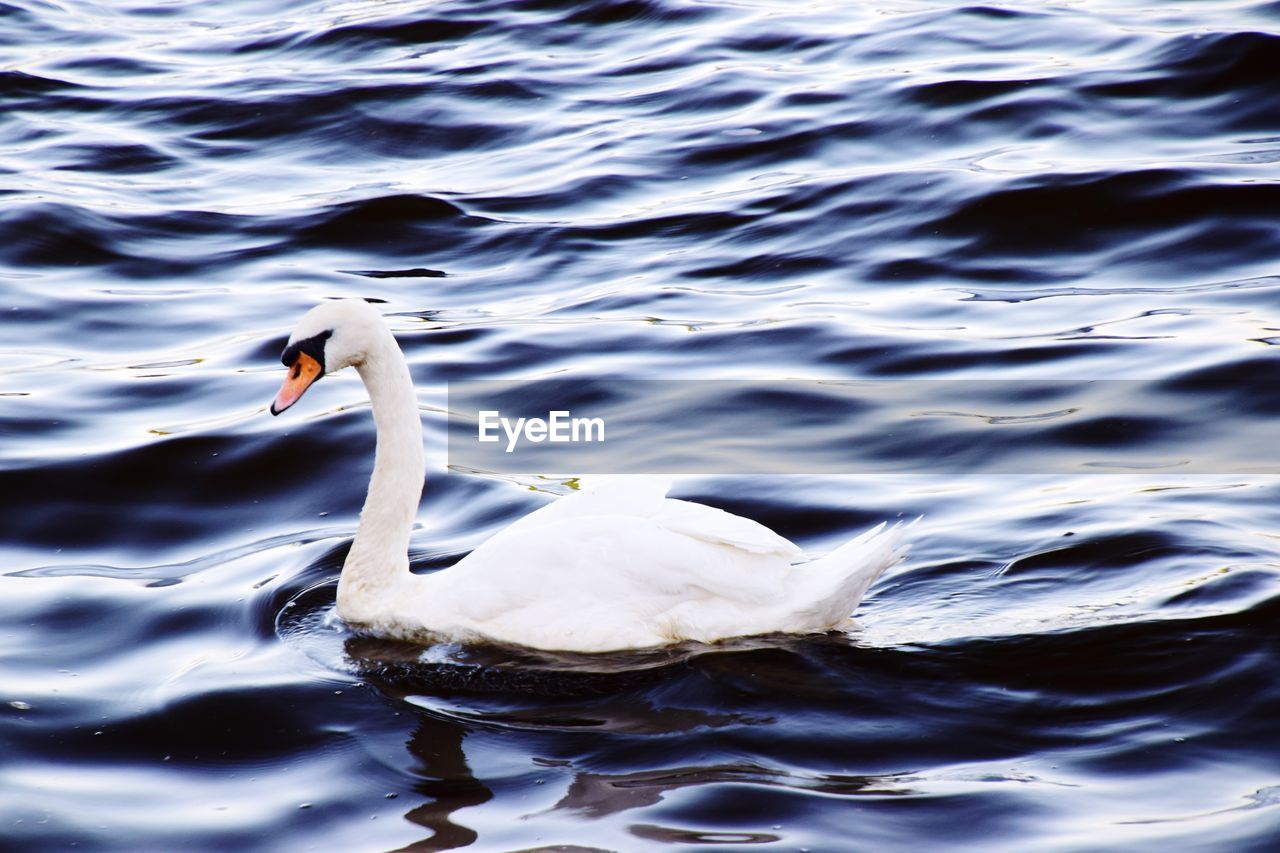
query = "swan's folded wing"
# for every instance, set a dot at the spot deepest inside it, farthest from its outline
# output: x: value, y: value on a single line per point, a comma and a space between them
x: 723, y: 528
x: 623, y: 570
x: 630, y: 495
x: 645, y: 497
x: 640, y: 497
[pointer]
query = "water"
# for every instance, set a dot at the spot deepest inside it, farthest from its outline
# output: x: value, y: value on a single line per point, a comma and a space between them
x: 663, y: 190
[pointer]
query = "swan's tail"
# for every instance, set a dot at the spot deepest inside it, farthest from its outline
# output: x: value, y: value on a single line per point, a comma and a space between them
x: 834, y: 584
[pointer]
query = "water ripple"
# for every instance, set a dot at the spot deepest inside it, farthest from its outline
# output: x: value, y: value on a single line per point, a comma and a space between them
x: 650, y: 189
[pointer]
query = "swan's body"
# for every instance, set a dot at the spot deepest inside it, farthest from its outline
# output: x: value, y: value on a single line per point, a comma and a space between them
x: 617, y: 567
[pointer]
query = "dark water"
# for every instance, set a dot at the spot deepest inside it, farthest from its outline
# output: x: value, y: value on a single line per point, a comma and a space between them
x: 672, y: 190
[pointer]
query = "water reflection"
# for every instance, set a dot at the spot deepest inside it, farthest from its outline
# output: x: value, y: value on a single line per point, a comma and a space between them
x: 602, y: 794
x: 624, y: 702
x: 445, y: 780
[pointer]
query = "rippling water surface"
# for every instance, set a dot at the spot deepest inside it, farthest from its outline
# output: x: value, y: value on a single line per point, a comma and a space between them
x: 663, y: 189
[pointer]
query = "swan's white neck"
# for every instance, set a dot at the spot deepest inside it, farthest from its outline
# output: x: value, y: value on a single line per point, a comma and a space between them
x: 377, y: 568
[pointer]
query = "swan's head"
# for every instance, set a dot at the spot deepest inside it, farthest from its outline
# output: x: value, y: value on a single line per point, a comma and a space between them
x: 329, y: 337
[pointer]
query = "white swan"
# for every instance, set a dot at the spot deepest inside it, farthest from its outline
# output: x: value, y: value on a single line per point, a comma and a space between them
x: 620, y: 567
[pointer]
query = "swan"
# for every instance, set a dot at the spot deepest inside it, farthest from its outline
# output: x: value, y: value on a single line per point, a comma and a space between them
x: 615, y: 567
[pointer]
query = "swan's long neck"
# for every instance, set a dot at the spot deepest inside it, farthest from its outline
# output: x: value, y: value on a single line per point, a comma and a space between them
x: 377, y: 567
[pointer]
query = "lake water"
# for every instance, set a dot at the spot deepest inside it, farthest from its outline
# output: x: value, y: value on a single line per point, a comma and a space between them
x: 1073, y: 658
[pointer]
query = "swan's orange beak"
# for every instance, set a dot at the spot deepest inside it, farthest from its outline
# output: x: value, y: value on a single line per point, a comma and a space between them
x: 304, y: 371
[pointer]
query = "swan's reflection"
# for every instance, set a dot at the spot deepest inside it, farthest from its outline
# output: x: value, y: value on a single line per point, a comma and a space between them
x: 551, y: 694
x: 445, y: 779
x: 473, y: 691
